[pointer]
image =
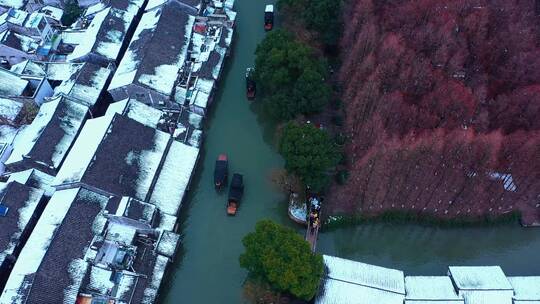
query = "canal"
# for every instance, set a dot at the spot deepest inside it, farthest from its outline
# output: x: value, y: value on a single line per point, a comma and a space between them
x: 206, y: 269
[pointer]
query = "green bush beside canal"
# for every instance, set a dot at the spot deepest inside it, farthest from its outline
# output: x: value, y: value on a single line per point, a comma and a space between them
x: 405, y: 217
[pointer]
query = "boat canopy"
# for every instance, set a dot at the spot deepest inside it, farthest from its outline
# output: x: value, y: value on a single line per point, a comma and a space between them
x: 269, y: 9
x: 237, y: 188
x: 220, y: 171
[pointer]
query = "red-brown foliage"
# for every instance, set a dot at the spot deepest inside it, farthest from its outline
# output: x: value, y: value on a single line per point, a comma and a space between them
x: 443, y: 103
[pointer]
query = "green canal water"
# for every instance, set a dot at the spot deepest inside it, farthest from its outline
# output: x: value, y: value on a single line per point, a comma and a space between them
x: 206, y: 269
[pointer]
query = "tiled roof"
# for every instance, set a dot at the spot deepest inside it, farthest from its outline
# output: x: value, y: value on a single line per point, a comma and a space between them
x: 22, y: 202
x: 49, y: 137
x: 147, y: 63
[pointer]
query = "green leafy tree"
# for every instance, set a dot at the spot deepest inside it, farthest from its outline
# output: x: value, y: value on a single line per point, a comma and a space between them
x: 322, y: 16
x: 281, y: 257
x: 72, y: 12
x: 309, y: 153
x: 291, y: 78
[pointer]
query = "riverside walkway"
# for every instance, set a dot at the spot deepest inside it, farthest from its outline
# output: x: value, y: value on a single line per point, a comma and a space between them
x: 312, y: 234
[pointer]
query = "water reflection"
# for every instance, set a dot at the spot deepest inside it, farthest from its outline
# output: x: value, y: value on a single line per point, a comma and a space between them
x: 427, y: 250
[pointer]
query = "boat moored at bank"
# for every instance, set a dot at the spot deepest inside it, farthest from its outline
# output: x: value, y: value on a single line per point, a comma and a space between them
x: 269, y: 17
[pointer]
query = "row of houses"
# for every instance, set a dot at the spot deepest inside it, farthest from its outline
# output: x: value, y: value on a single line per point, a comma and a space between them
x: 92, y: 187
x: 347, y: 281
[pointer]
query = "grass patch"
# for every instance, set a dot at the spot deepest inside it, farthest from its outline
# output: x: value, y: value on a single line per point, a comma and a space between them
x: 406, y: 217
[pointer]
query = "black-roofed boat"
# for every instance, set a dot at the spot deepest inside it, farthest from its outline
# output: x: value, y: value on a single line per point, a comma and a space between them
x: 268, y: 17
x: 251, y: 86
x: 236, y: 191
x: 221, y: 171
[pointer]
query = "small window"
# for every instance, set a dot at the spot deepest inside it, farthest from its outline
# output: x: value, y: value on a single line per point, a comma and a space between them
x: 3, y: 211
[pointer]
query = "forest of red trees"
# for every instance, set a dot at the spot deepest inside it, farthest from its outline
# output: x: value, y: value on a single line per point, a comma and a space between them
x: 443, y: 108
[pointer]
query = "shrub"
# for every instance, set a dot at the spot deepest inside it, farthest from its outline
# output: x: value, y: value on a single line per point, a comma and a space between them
x: 309, y: 152
x: 282, y: 258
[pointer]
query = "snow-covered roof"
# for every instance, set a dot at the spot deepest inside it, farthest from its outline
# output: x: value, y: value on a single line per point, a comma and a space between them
x: 49, y: 232
x: 77, y: 241
x: 351, y: 282
x: 14, y: 16
x: 479, y: 278
x: 129, y: 151
x: 120, y: 233
x: 104, y: 36
x: 20, y: 42
x: 11, y: 84
x: 52, y: 12
x: 146, y: 62
x: 487, y: 296
x: 86, y: 85
x: 13, y: 3
x: 526, y: 288
x: 22, y: 202
x: 129, y: 6
x: 100, y: 279
x: 83, y: 150
x: 201, y: 93
x: 167, y: 244
x: 174, y: 177
x: 10, y: 109
x: 136, y: 210
x: 73, y: 36
x: 50, y: 135
x: 34, y: 20
x: 430, y: 289
x: 29, y: 68
x: 185, y: 125
x: 34, y: 178
x: 341, y: 292
x: 193, y: 5
x: 364, y: 274
x: 154, y: 282
x: 93, y: 9
x: 60, y: 70
x: 7, y: 134
x: 137, y: 111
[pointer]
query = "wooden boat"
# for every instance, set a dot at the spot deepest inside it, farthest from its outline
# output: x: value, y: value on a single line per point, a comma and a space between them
x: 297, y: 210
x: 235, y: 193
x: 269, y: 17
x: 251, y: 86
x: 221, y: 171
